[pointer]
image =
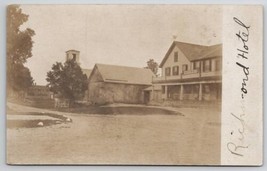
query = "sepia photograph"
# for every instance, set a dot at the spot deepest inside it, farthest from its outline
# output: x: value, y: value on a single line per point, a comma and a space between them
x: 115, y: 84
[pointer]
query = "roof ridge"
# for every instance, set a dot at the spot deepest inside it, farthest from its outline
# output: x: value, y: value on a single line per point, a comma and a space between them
x: 72, y: 50
x: 191, y: 44
x: 121, y: 66
x: 124, y: 74
x: 211, y: 51
x: 198, y: 44
x: 216, y: 44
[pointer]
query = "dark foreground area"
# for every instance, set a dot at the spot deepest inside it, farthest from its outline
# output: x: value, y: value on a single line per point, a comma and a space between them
x: 23, y: 122
x: 121, y: 110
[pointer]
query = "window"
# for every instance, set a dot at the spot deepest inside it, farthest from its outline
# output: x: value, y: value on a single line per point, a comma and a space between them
x: 217, y: 65
x: 207, y: 65
x: 175, y: 56
x: 196, y: 65
x: 163, y: 89
x: 167, y: 71
x: 175, y: 70
x: 185, y: 67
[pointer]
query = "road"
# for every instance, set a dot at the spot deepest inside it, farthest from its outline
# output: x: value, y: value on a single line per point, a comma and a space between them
x: 191, y: 138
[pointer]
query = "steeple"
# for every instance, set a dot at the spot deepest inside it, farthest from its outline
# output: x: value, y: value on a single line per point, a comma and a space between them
x: 73, y: 54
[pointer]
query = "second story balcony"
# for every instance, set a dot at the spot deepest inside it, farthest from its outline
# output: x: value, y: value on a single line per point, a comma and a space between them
x: 187, y: 75
x: 190, y: 74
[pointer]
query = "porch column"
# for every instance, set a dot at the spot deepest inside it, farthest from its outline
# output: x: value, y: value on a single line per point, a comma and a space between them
x: 181, y: 92
x: 164, y: 95
x: 200, y: 92
x: 166, y: 92
x: 152, y: 92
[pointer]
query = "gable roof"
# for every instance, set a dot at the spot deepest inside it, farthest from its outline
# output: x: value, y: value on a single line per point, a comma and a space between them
x: 125, y: 74
x: 87, y: 72
x: 194, y: 52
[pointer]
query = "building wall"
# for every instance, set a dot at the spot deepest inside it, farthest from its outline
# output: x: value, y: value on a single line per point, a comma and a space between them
x: 182, y: 59
x: 102, y: 93
x: 156, y: 95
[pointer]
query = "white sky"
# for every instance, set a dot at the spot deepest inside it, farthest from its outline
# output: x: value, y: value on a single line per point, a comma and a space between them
x: 115, y: 34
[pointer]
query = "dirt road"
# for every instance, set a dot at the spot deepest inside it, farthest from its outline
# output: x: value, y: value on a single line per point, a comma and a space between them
x: 193, y: 138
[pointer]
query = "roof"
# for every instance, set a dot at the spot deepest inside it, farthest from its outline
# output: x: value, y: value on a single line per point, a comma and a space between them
x: 72, y: 50
x: 195, y: 52
x: 154, y: 87
x: 87, y: 72
x: 125, y: 74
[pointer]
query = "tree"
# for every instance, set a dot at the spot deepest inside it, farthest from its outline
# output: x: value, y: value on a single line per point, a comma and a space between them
x: 22, y: 78
x: 68, y: 80
x: 19, y: 49
x: 151, y: 64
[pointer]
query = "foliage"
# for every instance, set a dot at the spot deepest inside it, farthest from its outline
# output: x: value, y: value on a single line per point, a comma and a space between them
x: 19, y: 49
x: 151, y: 64
x: 68, y: 80
x: 22, y: 78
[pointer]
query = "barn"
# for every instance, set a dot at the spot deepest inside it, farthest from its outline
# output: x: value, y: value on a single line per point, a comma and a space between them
x: 118, y: 84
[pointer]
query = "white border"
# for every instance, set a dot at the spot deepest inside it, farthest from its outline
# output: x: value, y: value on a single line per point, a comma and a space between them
x: 3, y: 4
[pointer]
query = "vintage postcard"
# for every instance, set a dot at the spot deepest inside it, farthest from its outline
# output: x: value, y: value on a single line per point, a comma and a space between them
x: 134, y: 84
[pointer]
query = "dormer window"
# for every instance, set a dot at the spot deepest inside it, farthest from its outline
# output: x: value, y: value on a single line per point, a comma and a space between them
x: 175, y: 56
x: 218, y: 65
x: 207, y: 65
x: 196, y: 65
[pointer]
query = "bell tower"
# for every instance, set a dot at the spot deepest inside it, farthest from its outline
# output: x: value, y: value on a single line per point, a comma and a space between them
x: 73, y: 55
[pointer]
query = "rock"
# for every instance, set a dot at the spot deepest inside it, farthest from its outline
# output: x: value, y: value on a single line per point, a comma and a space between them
x: 68, y: 120
x: 40, y: 124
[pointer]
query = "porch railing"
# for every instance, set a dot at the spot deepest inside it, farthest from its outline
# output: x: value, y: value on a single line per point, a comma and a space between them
x: 186, y: 75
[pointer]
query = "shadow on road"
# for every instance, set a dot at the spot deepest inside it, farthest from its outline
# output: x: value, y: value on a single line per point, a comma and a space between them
x: 122, y: 110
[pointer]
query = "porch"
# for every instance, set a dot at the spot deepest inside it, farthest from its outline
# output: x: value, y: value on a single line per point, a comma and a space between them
x: 195, y: 91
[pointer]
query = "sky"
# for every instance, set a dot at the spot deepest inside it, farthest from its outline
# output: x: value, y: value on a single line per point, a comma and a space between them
x: 126, y: 35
